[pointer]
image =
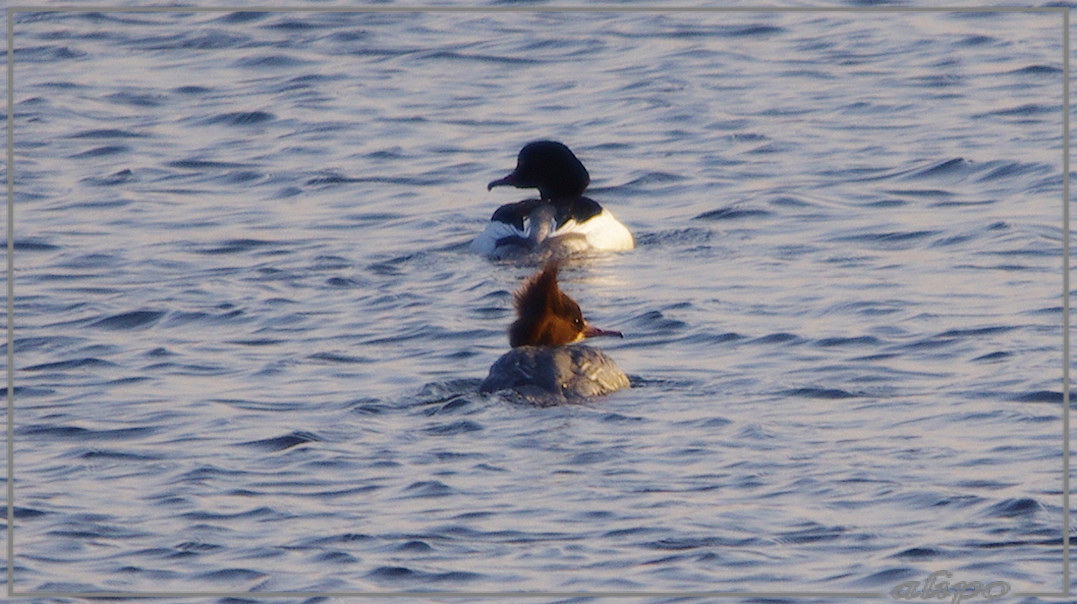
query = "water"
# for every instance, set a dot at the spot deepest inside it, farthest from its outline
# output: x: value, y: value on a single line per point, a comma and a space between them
x: 249, y: 333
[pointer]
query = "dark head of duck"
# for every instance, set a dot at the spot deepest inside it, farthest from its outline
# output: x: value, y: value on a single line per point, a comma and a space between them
x: 550, y: 167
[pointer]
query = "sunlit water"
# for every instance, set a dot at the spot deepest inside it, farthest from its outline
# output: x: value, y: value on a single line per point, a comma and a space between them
x: 249, y: 334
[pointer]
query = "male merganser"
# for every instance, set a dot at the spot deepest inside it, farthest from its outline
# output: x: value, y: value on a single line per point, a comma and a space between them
x: 542, y: 365
x: 562, y: 220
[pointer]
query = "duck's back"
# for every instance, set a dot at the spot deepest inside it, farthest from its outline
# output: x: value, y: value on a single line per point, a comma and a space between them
x: 602, y: 233
x: 568, y: 371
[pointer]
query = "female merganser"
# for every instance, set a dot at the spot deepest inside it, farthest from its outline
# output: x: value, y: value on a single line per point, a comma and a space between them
x: 561, y: 220
x: 541, y: 365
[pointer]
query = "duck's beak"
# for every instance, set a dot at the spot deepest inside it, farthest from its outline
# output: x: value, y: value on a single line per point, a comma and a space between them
x: 591, y: 331
x: 510, y: 180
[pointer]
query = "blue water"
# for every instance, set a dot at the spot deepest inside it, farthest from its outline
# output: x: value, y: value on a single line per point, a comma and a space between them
x: 249, y: 334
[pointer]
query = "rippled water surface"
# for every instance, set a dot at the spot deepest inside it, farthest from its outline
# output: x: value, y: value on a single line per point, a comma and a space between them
x: 249, y: 334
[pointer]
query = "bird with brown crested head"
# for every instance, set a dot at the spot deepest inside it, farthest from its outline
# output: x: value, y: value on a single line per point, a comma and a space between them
x: 546, y: 363
x: 546, y: 316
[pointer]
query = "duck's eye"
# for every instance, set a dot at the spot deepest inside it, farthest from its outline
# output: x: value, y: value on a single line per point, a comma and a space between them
x: 578, y: 322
